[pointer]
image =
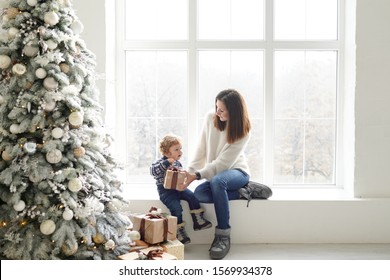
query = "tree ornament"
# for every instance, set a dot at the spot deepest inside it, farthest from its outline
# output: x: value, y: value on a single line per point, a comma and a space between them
x: 51, y: 18
x: 32, y: 3
x: 2, y: 99
x: 30, y: 51
x: 98, y: 238
x: 79, y: 152
x: 49, y: 106
x: 75, y: 185
x: 47, y: 227
x: 109, y: 245
x: 51, y: 44
x: 5, y: 61
x: 69, y: 248
x: 40, y: 73
x: 19, y: 69
x: 30, y: 148
x: 50, y: 83
x: 12, y: 32
x: 14, y: 128
x: 76, y: 119
x: 6, y: 156
x: 77, y: 27
x: 12, y: 12
x: 54, y: 156
x: 57, y: 133
x: 64, y: 68
x: 19, y: 206
x: 67, y: 214
x: 134, y: 235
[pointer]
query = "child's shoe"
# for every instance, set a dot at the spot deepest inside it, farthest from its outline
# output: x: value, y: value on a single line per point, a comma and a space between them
x: 182, y: 234
x: 199, y: 221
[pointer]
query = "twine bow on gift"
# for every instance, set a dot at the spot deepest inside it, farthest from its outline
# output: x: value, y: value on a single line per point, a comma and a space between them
x: 151, y: 255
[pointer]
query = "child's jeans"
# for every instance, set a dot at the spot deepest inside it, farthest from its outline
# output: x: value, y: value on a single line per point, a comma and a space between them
x: 172, y: 198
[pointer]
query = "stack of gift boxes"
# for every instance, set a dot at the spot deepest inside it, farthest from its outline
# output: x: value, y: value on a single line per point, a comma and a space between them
x: 154, y: 237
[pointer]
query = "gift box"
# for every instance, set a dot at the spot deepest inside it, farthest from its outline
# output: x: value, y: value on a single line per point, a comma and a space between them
x: 155, y: 228
x: 150, y: 253
x: 174, y: 178
x: 173, y: 247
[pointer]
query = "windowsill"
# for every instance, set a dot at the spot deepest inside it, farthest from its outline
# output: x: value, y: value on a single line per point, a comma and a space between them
x: 148, y: 192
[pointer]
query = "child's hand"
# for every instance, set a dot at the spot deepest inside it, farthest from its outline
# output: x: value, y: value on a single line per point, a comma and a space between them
x: 171, y: 160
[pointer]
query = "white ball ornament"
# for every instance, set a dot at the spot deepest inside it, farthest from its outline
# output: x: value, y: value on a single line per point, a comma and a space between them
x: 57, y: 133
x: 67, y: 215
x: 51, y: 44
x: 77, y: 27
x: 76, y: 119
x: 49, y: 106
x: 54, y: 156
x: 30, y: 148
x: 109, y: 245
x: 75, y: 185
x: 40, y: 73
x: 5, y: 61
x: 2, y: 99
x: 12, y: 32
x: 19, y: 69
x: 32, y: 3
x: 134, y: 235
x: 20, y: 205
x: 14, y: 128
x: 47, y: 227
x: 51, y: 18
x: 30, y: 51
x: 50, y: 83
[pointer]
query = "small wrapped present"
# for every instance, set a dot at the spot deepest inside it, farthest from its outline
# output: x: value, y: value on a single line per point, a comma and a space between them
x: 173, y: 247
x: 155, y: 227
x: 174, y: 178
x: 151, y: 253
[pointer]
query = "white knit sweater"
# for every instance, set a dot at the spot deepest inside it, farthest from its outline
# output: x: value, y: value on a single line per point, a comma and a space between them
x: 214, y: 154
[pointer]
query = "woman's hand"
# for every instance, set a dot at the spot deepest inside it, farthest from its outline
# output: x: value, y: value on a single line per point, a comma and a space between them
x: 190, y: 177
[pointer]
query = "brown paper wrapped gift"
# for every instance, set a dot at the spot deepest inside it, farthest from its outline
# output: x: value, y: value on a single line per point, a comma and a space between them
x: 174, y: 178
x: 173, y: 247
x: 155, y: 228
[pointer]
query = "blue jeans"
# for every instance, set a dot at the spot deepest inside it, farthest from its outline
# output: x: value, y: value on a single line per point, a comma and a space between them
x: 172, y: 200
x: 219, y: 190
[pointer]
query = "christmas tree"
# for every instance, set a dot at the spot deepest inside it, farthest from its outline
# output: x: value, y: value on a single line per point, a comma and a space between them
x: 59, y: 195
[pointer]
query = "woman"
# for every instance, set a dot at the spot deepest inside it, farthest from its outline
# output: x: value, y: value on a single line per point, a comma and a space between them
x: 220, y: 160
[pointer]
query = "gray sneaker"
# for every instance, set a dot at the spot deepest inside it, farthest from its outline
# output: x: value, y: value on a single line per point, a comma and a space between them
x: 254, y: 190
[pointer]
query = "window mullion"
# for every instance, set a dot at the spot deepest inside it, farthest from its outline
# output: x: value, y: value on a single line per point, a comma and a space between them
x: 268, y: 159
x: 192, y: 77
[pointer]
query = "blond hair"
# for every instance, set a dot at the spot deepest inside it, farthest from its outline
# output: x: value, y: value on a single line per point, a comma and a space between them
x: 168, y: 141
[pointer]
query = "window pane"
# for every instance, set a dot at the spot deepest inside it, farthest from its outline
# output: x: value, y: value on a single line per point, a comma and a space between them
x: 242, y: 70
x: 305, y: 116
x: 156, y: 89
x: 156, y: 19
x: 305, y: 19
x: 231, y: 19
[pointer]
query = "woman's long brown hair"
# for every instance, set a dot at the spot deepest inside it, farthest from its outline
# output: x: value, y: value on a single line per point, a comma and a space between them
x: 238, y: 125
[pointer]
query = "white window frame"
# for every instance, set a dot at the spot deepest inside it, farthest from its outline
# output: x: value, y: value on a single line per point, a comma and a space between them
x: 116, y: 104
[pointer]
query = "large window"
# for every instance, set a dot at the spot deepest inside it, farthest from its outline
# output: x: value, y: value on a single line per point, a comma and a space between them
x: 284, y: 56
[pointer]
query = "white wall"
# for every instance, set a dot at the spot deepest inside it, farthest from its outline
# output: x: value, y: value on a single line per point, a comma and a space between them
x: 325, y: 220
x: 372, y: 173
x: 92, y: 14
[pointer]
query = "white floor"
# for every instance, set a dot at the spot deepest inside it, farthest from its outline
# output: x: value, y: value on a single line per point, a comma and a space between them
x: 295, y: 252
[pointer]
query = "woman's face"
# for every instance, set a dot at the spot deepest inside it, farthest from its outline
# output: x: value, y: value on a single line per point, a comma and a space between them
x: 221, y: 111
